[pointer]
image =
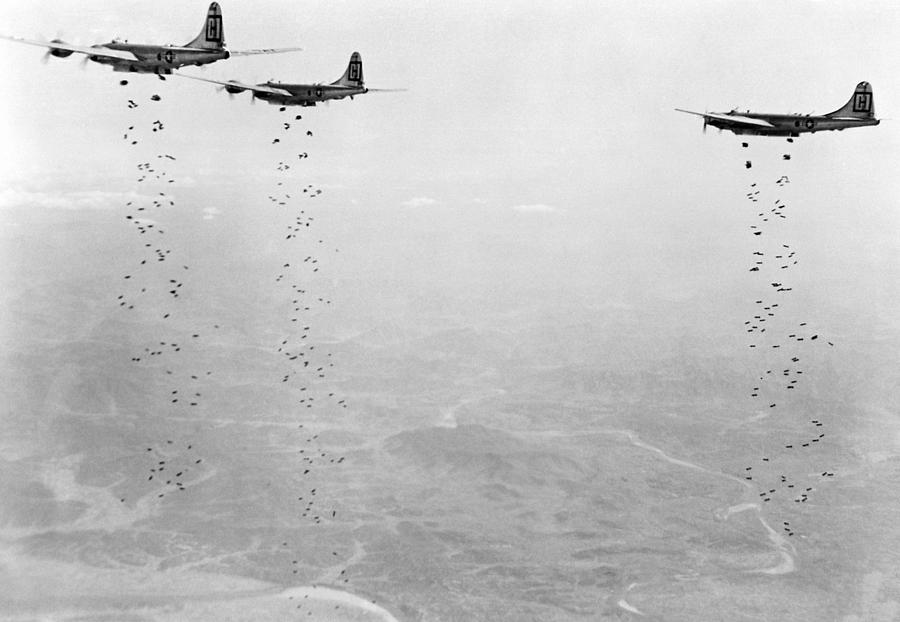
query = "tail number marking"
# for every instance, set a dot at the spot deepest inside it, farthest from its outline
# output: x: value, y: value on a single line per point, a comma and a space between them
x: 862, y: 102
x: 354, y: 72
x: 214, y: 28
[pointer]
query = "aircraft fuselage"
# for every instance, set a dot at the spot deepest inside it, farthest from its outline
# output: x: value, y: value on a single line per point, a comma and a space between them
x: 307, y: 94
x: 158, y: 58
x: 789, y: 124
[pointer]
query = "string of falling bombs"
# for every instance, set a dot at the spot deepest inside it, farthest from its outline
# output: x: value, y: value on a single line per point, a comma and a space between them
x: 152, y: 289
x: 306, y: 363
x: 171, y: 466
x: 782, y: 347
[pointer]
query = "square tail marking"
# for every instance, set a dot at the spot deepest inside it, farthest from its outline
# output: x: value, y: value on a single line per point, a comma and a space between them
x: 214, y: 28
x: 862, y: 102
x: 354, y: 70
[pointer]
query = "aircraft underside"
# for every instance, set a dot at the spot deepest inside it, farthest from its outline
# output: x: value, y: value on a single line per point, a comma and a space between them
x: 127, y: 66
x: 291, y: 102
x: 804, y: 125
x: 761, y: 132
x: 136, y: 68
x: 147, y: 66
x: 284, y: 100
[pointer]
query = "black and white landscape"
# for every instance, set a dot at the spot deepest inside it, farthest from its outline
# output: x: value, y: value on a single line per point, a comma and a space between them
x: 520, y: 343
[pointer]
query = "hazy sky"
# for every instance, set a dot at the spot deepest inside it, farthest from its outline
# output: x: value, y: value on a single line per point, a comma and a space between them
x: 553, y: 124
x: 533, y: 178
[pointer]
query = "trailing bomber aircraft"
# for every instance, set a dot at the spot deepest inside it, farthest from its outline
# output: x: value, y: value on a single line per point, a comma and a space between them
x: 205, y: 48
x: 283, y: 94
x: 858, y: 112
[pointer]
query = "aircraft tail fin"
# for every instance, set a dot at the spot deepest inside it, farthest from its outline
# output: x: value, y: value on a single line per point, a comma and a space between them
x: 860, y: 106
x: 212, y: 37
x: 354, y: 74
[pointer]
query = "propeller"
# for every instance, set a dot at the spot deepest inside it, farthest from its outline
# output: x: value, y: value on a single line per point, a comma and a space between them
x: 56, y: 52
x: 705, y: 121
x: 225, y: 88
x: 51, y: 51
x: 232, y: 90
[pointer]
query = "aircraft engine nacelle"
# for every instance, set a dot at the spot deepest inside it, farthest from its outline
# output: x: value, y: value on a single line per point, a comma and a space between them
x: 60, y: 53
x: 234, y: 89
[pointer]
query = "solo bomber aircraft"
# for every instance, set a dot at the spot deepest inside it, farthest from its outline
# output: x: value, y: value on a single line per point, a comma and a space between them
x: 283, y: 94
x: 858, y: 112
x: 205, y: 48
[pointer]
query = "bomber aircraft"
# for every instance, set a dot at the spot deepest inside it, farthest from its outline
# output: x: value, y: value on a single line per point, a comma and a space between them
x: 858, y: 112
x: 205, y: 48
x: 283, y: 94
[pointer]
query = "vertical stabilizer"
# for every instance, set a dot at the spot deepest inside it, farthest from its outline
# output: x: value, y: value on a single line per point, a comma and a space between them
x: 212, y: 37
x: 860, y: 106
x: 354, y: 74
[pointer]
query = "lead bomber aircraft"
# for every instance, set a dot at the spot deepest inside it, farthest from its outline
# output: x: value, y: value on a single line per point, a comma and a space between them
x: 858, y: 112
x: 205, y: 48
x: 284, y: 94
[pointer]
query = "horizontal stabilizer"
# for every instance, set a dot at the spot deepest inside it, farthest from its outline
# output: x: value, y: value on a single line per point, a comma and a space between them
x: 263, y: 51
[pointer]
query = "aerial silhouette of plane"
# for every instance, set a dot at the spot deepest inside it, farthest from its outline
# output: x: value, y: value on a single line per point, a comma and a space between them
x: 858, y: 112
x: 207, y: 47
x: 283, y: 94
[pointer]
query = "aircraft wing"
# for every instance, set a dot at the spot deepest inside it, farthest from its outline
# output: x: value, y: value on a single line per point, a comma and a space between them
x: 257, y: 88
x: 263, y: 51
x: 81, y: 49
x: 180, y: 48
x: 733, y: 119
